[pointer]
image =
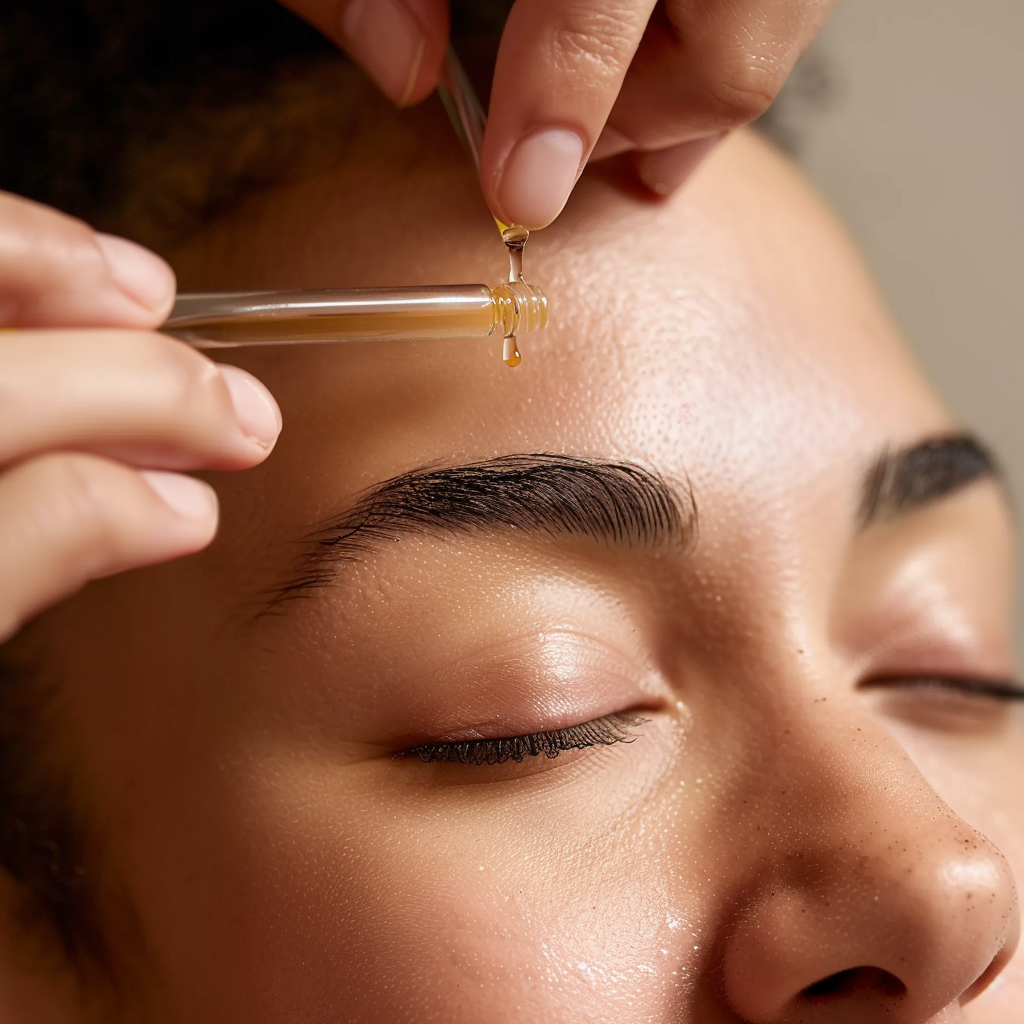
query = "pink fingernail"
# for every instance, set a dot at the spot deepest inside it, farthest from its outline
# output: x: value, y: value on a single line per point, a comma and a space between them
x: 141, y: 274
x: 258, y: 414
x: 384, y: 37
x: 185, y: 496
x: 538, y: 176
x: 664, y: 170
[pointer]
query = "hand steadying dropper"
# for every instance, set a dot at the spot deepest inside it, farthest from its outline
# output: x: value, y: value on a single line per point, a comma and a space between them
x: 581, y: 80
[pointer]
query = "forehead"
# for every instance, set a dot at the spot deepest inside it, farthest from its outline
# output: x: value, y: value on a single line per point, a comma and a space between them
x: 729, y: 335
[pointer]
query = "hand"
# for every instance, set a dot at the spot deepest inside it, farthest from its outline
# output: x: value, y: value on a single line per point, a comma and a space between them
x: 98, y: 414
x: 586, y: 79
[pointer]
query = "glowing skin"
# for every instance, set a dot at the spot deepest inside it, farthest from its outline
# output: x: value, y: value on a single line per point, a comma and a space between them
x: 774, y: 824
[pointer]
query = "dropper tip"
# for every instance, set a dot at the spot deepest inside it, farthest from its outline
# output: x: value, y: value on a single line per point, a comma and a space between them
x: 513, y: 234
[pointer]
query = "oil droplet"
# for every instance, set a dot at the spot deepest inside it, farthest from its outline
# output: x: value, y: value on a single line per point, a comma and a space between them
x: 510, y: 351
x: 515, y: 239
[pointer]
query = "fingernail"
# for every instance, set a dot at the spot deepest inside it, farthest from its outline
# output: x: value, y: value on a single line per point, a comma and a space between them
x: 538, y: 176
x: 185, y: 496
x: 384, y: 37
x: 141, y: 274
x: 664, y: 170
x: 258, y: 414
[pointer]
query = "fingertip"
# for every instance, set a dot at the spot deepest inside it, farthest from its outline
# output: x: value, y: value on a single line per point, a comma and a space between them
x: 193, y: 503
x: 665, y: 170
x: 423, y: 80
x: 610, y: 143
x: 144, y: 277
x: 395, y: 46
x: 537, y: 177
x: 256, y: 409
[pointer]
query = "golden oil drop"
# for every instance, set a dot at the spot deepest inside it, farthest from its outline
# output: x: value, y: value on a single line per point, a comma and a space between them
x: 510, y: 351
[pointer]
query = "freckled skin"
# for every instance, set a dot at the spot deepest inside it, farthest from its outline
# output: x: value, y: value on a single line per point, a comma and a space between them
x: 776, y: 844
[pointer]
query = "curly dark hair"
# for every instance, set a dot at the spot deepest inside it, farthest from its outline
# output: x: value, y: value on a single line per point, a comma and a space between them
x: 148, y: 118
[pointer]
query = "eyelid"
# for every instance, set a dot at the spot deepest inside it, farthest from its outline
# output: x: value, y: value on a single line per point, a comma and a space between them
x: 542, y: 680
x: 604, y: 731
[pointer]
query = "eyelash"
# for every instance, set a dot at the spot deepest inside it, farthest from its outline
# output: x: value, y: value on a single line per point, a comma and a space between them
x: 615, y: 728
x: 992, y: 689
x: 599, y: 732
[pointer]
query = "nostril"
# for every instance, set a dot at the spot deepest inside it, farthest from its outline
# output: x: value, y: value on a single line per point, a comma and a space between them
x: 857, y: 979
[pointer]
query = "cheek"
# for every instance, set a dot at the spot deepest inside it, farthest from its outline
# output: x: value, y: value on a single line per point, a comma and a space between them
x: 410, y: 908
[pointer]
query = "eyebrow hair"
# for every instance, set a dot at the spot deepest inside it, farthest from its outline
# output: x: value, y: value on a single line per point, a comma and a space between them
x: 615, y: 503
x: 905, y: 480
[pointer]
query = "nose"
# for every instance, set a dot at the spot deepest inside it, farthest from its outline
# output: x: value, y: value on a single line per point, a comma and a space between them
x: 872, y: 900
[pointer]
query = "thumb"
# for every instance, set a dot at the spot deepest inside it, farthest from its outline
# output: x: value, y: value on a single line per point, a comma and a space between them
x: 398, y: 43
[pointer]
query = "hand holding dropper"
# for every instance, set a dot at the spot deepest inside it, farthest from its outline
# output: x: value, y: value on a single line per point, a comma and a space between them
x: 229, y: 319
x: 582, y: 80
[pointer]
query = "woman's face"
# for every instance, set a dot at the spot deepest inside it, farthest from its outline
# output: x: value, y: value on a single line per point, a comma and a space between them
x: 729, y: 579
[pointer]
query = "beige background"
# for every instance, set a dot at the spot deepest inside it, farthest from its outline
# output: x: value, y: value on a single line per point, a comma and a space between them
x: 919, y: 142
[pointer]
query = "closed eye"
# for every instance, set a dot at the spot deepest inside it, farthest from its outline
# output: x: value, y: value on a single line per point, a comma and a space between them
x: 956, y: 704
x: 993, y: 689
x: 599, y: 732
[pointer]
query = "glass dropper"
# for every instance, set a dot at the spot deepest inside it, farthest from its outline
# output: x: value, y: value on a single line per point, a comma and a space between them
x: 471, y: 311
x: 231, y: 319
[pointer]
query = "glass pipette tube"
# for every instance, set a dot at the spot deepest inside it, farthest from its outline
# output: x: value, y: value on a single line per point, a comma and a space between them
x: 230, y: 319
x: 470, y: 311
x: 466, y: 115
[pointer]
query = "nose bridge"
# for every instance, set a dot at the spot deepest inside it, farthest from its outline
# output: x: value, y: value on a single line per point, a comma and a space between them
x: 869, y: 891
x: 841, y: 785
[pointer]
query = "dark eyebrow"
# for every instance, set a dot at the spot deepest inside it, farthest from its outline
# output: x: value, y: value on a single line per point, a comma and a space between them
x: 616, y: 503
x: 904, y: 480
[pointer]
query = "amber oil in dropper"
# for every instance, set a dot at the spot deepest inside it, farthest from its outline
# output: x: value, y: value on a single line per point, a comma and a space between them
x: 226, y: 319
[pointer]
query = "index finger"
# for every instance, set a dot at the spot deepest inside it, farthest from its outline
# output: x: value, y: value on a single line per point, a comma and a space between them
x: 560, y: 67
x: 55, y: 271
x: 656, y: 74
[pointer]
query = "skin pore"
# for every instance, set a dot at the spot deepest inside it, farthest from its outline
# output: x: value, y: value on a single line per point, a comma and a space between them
x: 778, y: 823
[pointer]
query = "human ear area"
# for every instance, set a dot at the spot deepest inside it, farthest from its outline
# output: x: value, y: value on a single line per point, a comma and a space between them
x: 869, y: 899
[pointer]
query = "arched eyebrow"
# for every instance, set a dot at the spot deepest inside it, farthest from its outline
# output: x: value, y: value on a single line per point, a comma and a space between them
x: 905, y: 480
x: 616, y: 503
